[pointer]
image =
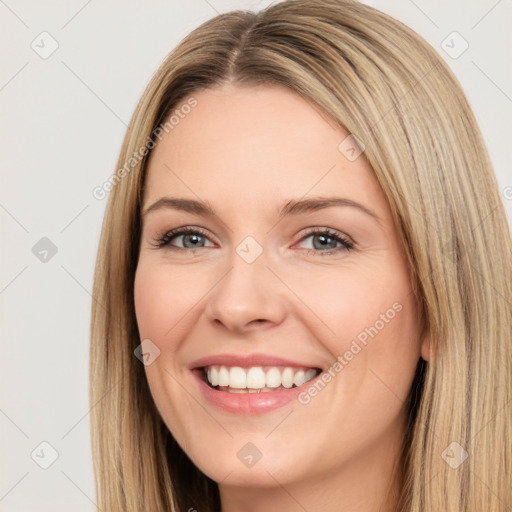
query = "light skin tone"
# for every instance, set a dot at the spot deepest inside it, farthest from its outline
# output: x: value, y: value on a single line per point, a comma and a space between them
x: 248, y: 151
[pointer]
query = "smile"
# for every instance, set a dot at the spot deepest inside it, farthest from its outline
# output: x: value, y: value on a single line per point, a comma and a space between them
x: 257, y: 379
x: 248, y: 384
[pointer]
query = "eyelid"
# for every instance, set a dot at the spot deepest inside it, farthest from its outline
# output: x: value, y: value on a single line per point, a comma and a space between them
x: 346, y: 242
x: 312, y: 230
x: 177, y: 232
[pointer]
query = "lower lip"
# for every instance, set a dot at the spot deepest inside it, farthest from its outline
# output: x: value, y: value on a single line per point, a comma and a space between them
x: 248, y: 403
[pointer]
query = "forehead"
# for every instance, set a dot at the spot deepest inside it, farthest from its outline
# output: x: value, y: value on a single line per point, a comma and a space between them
x: 254, y: 146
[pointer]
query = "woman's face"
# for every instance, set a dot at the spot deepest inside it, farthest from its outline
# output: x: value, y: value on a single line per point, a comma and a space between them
x: 292, y: 266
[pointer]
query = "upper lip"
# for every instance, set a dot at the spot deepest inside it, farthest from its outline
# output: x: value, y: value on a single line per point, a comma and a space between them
x: 246, y: 360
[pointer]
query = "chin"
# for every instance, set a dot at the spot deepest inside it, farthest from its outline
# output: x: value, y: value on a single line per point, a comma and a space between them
x: 229, y: 469
x: 259, y: 476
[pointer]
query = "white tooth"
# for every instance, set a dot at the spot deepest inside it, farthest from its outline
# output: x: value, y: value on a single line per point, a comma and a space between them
x: 309, y: 375
x: 273, y: 378
x: 237, y: 377
x: 256, y: 378
x: 223, y: 376
x: 287, y: 377
x: 298, y: 378
x: 213, y: 375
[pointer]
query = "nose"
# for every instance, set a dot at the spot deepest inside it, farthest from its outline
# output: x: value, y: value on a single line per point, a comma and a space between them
x: 247, y: 297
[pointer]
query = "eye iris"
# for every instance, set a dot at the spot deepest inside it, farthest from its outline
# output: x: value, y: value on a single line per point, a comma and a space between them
x: 324, y: 241
x: 195, y: 237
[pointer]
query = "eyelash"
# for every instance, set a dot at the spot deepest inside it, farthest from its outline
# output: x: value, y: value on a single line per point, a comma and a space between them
x: 346, y: 244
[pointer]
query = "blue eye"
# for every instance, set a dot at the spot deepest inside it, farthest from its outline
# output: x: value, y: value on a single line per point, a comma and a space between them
x: 193, y: 237
x: 327, y: 241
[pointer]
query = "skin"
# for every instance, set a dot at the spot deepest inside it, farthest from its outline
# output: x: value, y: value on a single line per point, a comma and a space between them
x: 248, y: 151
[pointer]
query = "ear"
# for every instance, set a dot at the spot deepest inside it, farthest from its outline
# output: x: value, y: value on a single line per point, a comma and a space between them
x: 425, y: 347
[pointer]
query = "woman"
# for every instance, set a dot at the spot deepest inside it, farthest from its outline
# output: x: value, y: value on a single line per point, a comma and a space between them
x: 233, y: 368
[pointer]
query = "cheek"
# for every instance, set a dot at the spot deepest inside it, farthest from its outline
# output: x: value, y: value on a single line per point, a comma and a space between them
x: 164, y: 299
x: 351, y: 301
x: 163, y: 302
x: 372, y: 323
x: 151, y: 300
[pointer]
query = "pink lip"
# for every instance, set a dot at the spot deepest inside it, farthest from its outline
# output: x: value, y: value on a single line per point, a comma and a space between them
x: 247, y: 403
x: 246, y: 361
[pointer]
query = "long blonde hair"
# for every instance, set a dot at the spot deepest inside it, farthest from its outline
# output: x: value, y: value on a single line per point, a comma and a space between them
x: 385, y: 85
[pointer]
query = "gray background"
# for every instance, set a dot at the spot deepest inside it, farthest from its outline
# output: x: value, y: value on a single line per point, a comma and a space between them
x: 63, y: 119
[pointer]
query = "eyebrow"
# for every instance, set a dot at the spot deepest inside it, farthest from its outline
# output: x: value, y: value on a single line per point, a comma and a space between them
x: 291, y: 207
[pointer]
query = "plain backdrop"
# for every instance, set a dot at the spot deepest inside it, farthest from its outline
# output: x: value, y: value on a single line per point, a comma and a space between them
x: 64, y: 115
